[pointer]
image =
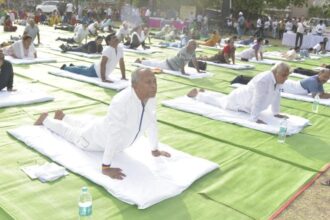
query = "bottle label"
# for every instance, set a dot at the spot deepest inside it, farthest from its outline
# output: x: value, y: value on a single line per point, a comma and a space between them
x: 282, y: 131
x: 85, y: 210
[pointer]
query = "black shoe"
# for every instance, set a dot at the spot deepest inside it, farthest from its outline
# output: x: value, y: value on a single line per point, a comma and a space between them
x: 63, y: 66
x: 71, y: 64
x: 63, y: 48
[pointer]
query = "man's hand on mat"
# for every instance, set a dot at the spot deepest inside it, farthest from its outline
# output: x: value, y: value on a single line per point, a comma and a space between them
x: 281, y: 116
x: 201, y: 71
x: 108, y: 81
x: 157, y: 153
x: 261, y: 122
x: 114, y: 173
x: 11, y: 90
x: 124, y: 78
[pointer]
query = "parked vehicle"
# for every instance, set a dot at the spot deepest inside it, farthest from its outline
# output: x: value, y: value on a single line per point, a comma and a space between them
x: 48, y: 6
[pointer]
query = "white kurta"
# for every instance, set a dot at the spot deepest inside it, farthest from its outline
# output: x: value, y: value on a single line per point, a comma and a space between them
x: 18, y: 50
x: 125, y: 122
x: 256, y: 96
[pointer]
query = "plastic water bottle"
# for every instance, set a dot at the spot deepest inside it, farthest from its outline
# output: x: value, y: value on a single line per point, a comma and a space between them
x: 316, y: 102
x: 85, y: 204
x: 282, y: 131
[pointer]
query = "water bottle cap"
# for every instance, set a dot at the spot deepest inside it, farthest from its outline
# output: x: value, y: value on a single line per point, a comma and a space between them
x: 84, y: 189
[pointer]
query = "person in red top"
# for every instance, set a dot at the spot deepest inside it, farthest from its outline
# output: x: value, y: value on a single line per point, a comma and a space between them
x: 225, y: 55
x: 8, y: 25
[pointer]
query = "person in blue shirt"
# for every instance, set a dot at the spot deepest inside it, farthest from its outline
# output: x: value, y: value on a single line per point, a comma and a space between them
x: 6, y: 74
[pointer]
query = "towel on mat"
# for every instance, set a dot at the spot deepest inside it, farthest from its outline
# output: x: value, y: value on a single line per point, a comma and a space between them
x: 232, y: 66
x: 117, y: 84
x: 81, y: 54
x: 192, y: 73
x: 184, y: 103
x: 149, y: 180
x: 305, y: 98
x: 23, y: 96
x: 30, y: 61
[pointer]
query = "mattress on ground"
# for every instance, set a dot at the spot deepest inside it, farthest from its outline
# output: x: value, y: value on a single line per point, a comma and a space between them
x: 81, y: 54
x: 232, y: 66
x: 184, y: 103
x: 23, y: 96
x: 278, y: 56
x: 191, y: 72
x: 118, y: 83
x: 30, y: 61
x: 149, y: 180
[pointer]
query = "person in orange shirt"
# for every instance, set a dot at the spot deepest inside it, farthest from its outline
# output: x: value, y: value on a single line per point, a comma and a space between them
x: 211, y: 42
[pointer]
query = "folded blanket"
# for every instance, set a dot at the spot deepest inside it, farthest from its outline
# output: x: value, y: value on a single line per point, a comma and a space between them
x: 30, y: 61
x: 45, y: 173
x: 295, y: 124
x: 117, y: 84
x: 23, y: 96
x: 193, y: 74
x: 278, y: 56
x: 141, y: 50
x: 232, y: 66
x: 81, y: 54
x: 305, y: 98
x: 149, y: 180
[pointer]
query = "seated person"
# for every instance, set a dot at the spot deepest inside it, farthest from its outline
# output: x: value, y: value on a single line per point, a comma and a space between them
x: 260, y: 93
x: 224, y: 55
x: 111, y: 56
x: 213, y: 40
x: 178, y: 62
x: 247, y: 41
x: 138, y: 38
x: 8, y: 25
x: 92, y: 28
x: 184, y: 38
x: 123, y: 34
x: 105, y: 24
x: 117, y: 130
x: 54, y: 18
x: 22, y: 49
x: 94, y: 46
x: 256, y: 49
x: 172, y: 35
x: 6, y: 73
x: 312, y: 85
x: 80, y: 33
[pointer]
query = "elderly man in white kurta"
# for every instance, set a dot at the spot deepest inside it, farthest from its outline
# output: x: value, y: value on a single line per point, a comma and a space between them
x: 132, y: 113
x: 260, y: 93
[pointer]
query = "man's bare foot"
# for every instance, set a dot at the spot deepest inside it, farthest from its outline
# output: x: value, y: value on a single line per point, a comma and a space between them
x: 59, y: 115
x: 41, y: 119
x: 193, y: 93
x: 137, y: 60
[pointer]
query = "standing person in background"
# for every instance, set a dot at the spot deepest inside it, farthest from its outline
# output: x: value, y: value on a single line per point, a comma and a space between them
x: 69, y: 10
x: 281, y: 28
x: 300, y: 32
x: 240, y: 24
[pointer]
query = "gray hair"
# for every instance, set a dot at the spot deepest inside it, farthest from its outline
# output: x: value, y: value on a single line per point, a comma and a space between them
x: 135, y: 77
x: 280, y: 67
x: 324, y: 70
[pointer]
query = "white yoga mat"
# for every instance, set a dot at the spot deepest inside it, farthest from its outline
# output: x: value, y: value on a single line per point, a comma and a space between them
x: 264, y: 61
x: 30, y: 61
x: 305, y: 98
x: 193, y: 74
x: 232, y: 66
x: 149, y: 180
x: 23, y: 96
x: 87, y: 55
x: 184, y: 103
x: 117, y: 84
x: 278, y: 56
x: 140, y: 50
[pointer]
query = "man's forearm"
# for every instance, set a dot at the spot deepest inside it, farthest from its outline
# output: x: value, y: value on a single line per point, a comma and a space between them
x: 123, y: 69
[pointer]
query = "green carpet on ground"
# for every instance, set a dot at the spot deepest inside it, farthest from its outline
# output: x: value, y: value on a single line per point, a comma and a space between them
x: 256, y: 176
